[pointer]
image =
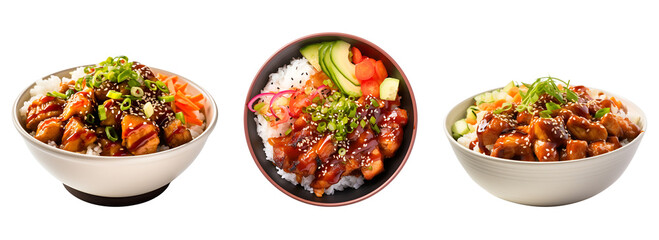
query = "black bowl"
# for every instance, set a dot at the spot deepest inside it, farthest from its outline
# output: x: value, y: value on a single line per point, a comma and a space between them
x: 392, y: 165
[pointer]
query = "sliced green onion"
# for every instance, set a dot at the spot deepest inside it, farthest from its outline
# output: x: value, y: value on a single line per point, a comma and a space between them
x: 504, y: 107
x: 78, y: 86
x: 162, y: 86
x: 288, y: 131
x: 257, y: 107
x: 375, y: 128
x: 372, y: 120
x: 137, y: 92
x: 69, y: 93
x: 342, y: 151
x: 57, y: 94
x: 600, y: 113
x: 113, y: 94
x: 133, y: 83
x: 338, y: 137
x: 89, y: 118
x: 126, y: 75
x: 148, y: 109
x: 345, y: 120
x: 125, y: 105
x: 101, y: 113
x: 331, y: 126
x: 151, y: 85
x: 375, y: 103
x: 170, y: 98
x: 111, y: 134
x: 354, y: 125
x: 180, y: 116
x: 362, y: 123
x: 321, y: 127
x: 352, y: 113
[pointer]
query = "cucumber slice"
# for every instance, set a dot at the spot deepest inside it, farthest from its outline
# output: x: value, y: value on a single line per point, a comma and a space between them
x: 310, y: 52
x: 471, y: 112
x: 389, y: 89
x: 460, y: 128
x: 340, y: 57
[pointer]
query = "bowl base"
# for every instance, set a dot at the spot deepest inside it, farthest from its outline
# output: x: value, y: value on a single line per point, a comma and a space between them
x: 115, y: 201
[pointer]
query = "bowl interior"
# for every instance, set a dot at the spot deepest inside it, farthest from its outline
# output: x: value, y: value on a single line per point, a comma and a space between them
x: 392, y: 165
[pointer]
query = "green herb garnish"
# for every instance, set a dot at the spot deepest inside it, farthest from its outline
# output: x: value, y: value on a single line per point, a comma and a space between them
x: 600, y: 113
x: 546, y: 85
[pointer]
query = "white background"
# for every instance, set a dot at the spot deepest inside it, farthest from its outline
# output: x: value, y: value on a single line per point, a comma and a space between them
x: 449, y: 51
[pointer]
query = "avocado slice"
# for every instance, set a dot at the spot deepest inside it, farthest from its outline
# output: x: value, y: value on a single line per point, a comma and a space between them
x: 310, y: 52
x: 345, y: 85
x: 340, y: 56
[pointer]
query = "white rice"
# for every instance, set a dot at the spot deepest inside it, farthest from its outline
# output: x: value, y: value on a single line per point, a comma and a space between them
x: 294, y: 75
x: 53, y: 83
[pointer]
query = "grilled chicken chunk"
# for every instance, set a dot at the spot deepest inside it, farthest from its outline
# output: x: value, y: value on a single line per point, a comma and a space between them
x: 76, y: 137
x: 100, y: 93
x: 41, y: 109
x: 139, y: 135
x: 113, y: 113
x: 513, y: 146
x: 391, y: 131
x: 574, y: 149
x: 79, y: 104
x: 489, y: 129
x: 546, y: 151
x: 601, y: 147
x: 110, y: 148
x: 49, y: 130
x: 375, y: 165
x: 584, y: 129
x: 549, y: 130
x: 176, y: 134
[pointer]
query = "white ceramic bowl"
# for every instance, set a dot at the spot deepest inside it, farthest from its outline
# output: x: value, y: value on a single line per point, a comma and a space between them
x: 117, y: 177
x: 543, y: 183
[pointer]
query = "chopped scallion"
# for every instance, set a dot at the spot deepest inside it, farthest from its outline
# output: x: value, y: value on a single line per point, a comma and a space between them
x: 101, y: 113
x: 113, y: 94
x: 111, y: 134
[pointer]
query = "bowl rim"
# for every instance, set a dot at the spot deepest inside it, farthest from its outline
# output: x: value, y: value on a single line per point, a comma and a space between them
x: 93, y: 159
x: 393, y: 63
x: 454, y: 142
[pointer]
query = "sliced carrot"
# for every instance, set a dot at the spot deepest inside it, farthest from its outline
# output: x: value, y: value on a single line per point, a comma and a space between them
x: 617, y: 102
x: 199, y: 105
x: 187, y: 105
x: 471, y: 121
x: 484, y: 106
x: 365, y: 70
x: 181, y: 87
x: 197, y: 98
x: 185, y: 110
x: 161, y: 77
x: 194, y: 120
x: 180, y: 97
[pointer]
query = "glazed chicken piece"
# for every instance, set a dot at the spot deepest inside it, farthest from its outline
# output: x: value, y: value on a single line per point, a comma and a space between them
x: 49, y: 130
x: 110, y: 148
x: 391, y: 131
x: 41, y: 109
x: 629, y: 129
x: 100, y: 93
x: 283, y: 146
x: 76, y: 137
x: 79, y: 104
x: 546, y: 151
x: 307, y: 162
x: 549, y: 130
x: 515, y: 145
x: 582, y: 92
x: 574, y: 149
x: 373, y: 165
x: 584, y: 129
x: 139, y: 135
x: 113, y: 113
x: 597, y: 104
x: 579, y: 109
x: 600, y: 147
x: 524, y: 118
x: 612, y: 124
x: 489, y: 129
x: 176, y: 134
